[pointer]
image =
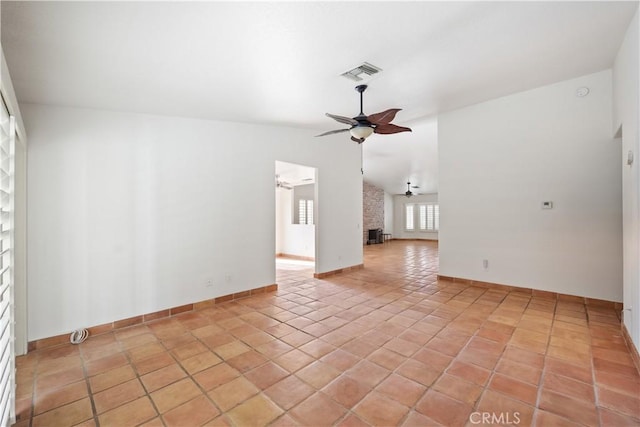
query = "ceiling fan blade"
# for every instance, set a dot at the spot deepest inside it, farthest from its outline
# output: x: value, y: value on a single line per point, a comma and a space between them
x: 343, y: 119
x: 384, y: 117
x: 331, y: 132
x: 389, y: 128
x: 358, y: 140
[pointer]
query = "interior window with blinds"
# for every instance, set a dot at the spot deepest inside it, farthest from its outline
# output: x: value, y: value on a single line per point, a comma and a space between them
x: 305, y: 211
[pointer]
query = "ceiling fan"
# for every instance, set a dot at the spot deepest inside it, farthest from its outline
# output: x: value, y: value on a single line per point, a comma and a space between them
x: 363, y: 126
x: 408, y: 193
x: 282, y: 184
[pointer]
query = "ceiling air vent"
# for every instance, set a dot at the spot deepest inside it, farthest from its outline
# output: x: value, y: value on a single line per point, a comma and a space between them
x: 365, y: 68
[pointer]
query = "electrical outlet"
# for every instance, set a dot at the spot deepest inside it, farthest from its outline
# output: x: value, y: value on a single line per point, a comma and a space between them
x: 208, y: 283
x: 485, y: 264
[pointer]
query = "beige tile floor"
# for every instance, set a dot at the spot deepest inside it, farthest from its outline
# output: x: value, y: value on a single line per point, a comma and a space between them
x: 386, y: 345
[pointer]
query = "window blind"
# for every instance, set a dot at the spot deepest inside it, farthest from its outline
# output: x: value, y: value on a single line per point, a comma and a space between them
x: 428, y: 217
x: 302, y: 211
x: 7, y: 351
x: 409, y: 217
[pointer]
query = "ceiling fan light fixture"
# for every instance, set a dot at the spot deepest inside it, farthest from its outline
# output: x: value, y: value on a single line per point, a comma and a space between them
x: 361, y: 131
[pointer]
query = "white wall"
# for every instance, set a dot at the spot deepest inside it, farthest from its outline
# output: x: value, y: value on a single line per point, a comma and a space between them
x: 500, y: 159
x: 130, y: 213
x: 626, y: 110
x: 399, y: 203
x: 283, y: 213
x: 292, y: 239
x: 388, y: 213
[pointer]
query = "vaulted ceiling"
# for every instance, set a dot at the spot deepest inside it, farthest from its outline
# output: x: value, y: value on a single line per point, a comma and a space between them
x: 279, y: 63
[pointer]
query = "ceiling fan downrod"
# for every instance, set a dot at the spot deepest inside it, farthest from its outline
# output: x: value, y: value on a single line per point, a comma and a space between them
x: 361, y: 89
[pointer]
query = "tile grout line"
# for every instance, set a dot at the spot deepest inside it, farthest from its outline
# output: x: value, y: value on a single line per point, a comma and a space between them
x: 544, y: 365
x: 88, y: 384
x: 492, y: 371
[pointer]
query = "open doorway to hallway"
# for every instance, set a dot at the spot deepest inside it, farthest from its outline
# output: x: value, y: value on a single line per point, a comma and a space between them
x: 296, y: 208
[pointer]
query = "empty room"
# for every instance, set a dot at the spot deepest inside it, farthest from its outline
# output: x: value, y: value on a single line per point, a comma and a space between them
x: 319, y: 213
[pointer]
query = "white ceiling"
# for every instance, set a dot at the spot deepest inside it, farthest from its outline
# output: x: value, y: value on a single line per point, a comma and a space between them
x: 279, y: 62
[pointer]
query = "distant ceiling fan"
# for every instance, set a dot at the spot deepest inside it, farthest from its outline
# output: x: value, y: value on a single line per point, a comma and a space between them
x: 363, y: 126
x: 282, y: 184
x: 408, y: 193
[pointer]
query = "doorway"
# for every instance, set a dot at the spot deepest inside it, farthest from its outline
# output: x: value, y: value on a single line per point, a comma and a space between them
x: 296, y: 217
